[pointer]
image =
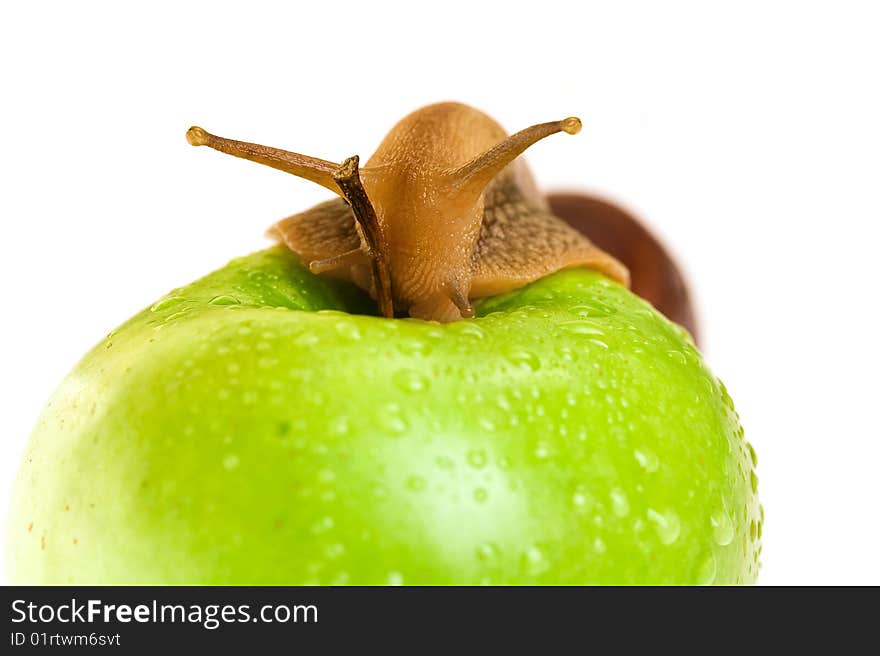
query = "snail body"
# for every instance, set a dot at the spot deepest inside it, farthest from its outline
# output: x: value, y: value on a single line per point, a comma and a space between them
x: 441, y: 214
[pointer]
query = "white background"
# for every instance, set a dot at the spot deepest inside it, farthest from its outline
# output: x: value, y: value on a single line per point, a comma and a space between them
x: 747, y: 134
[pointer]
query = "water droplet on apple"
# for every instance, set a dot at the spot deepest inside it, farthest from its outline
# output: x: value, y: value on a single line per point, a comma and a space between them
x: 267, y: 363
x: 707, y: 571
x: 722, y: 528
x: 487, y: 551
x: 753, y: 530
x: 647, y: 459
x: 503, y: 402
x: 412, y: 346
x: 582, y: 327
x: 725, y: 396
x: 534, y: 562
x: 306, y: 339
x: 752, y: 454
x: 542, y: 451
x: 395, y: 578
x: 599, y: 546
x: 395, y: 425
x: 468, y: 329
x: 392, y: 421
x: 481, y: 495
x: 580, y: 498
x: 619, y: 502
x: 323, y: 525
x: 676, y: 356
x: 666, y: 525
x: 592, y: 309
x: 753, y: 481
x: 477, y: 458
x: 524, y: 360
x: 415, y: 483
x: 410, y: 381
x: 334, y: 550
x: 167, y: 303
x: 348, y: 330
x: 486, y: 424
x: 224, y: 299
x: 176, y: 315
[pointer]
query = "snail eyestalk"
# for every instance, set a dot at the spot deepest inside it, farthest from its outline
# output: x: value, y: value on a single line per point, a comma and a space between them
x: 461, y: 301
x: 197, y: 136
x: 310, y: 168
x: 572, y: 125
x: 348, y: 179
x: 475, y: 175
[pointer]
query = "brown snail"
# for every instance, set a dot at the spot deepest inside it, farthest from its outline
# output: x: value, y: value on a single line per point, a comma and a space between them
x: 442, y: 213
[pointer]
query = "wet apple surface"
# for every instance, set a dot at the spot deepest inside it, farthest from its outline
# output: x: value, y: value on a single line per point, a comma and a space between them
x: 260, y: 426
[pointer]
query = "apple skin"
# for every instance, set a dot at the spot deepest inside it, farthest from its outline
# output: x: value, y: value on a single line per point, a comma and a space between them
x: 249, y: 428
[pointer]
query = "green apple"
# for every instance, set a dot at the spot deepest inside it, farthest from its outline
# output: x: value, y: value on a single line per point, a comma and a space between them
x: 258, y: 426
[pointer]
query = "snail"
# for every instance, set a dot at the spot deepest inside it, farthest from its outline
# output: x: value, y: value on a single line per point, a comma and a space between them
x: 442, y: 214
